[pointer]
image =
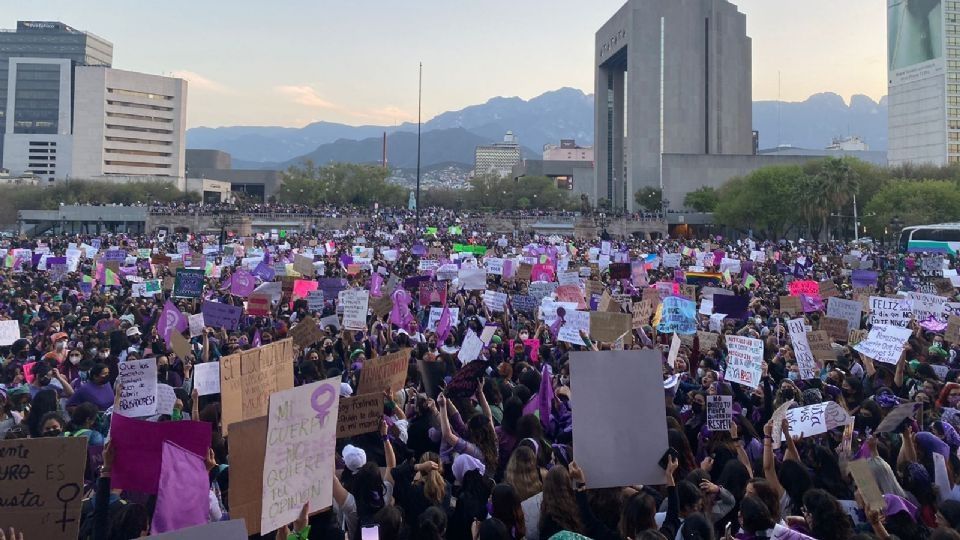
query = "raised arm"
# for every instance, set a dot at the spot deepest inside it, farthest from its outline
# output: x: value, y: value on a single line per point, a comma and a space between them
x: 769, y: 466
x: 448, y: 435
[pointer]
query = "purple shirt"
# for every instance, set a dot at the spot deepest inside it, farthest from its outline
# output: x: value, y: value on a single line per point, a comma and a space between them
x: 100, y: 395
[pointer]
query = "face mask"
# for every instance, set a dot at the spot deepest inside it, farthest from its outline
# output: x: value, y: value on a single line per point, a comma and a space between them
x: 564, y: 380
x: 104, y: 354
x: 861, y: 423
x: 793, y: 376
x: 163, y: 369
x: 61, y: 345
x: 757, y: 400
x: 701, y: 372
x: 697, y: 407
x: 74, y: 360
x: 55, y: 432
x: 787, y: 393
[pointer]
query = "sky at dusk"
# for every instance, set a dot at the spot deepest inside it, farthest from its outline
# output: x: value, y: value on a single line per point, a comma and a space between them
x: 290, y: 63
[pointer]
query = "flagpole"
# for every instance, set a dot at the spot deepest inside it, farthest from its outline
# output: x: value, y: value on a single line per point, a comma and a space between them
x: 419, y: 101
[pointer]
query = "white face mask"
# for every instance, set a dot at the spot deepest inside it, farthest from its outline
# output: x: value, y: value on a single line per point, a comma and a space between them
x: 61, y: 345
x: 524, y: 336
x: 74, y: 360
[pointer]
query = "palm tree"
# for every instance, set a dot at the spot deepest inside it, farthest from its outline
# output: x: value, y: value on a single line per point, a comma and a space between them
x: 839, y: 183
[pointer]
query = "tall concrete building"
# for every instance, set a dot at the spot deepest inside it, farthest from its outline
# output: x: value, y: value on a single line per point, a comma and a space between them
x: 672, y: 77
x: 498, y: 158
x: 923, y: 78
x: 128, y: 124
x: 37, y: 60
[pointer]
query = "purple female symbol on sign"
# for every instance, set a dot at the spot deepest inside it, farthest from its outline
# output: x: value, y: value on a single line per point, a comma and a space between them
x: 322, y: 408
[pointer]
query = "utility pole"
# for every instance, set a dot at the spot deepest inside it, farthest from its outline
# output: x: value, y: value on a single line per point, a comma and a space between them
x: 856, y: 223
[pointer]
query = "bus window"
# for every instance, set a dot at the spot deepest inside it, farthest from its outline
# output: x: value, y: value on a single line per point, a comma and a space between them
x: 904, y: 240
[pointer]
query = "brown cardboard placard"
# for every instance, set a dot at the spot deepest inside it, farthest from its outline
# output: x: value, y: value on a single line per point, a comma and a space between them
x: 835, y: 328
x: 306, y: 332
x: 608, y: 326
x: 387, y: 371
x: 359, y: 414
x: 248, y: 446
x: 248, y: 378
x: 791, y: 304
x: 819, y: 343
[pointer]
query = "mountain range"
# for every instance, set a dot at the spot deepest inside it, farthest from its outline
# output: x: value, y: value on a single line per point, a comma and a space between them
x: 566, y: 113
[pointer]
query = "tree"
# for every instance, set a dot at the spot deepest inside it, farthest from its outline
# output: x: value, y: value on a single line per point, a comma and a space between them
x: 649, y: 198
x: 915, y: 202
x: 339, y: 183
x: 702, y: 200
x: 837, y: 183
x: 764, y: 201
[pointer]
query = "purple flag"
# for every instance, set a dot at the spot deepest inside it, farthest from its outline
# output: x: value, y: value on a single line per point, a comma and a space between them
x: 863, y: 278
x: 171, y: 320
x: 242, y: 283
x: 541, y: 402
x: 400, y: 314
x: 182, y: 491
x: 256, y: 339
x: 443, y: 325
x: 138, y: 444
x: 376, y: 281
x: 811, y: 303
x: 264, y: 271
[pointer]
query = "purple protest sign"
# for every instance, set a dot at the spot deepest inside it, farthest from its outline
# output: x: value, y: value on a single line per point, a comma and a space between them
x: 138, y: 446
x: 242, y: 283
x: 265, y: 272
x: 863, y: 278
x: 218, y: 315
x: 115, y: 255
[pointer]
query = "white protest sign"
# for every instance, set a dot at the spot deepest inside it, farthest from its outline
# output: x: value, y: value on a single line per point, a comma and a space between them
x: 470, y: 350
x: 166, y: 399
x: 315, y: 300
x: 719, y: 412
x: 706, y: 306
x: 196, y: 324
x: 671, y: 260
x: 355, y: 305
x: 568, y: 278
x: 573, y: 323
x: 436, y: 312
x: 473, y: 279
x: 674, y: 350
x: 206, y: 378
x: 716, y: 322
x: 926, y: 306
x: 889, y: 311
x: 745, y: 360
x: 848, y: 310
x: 9, y: 332
x: 494, y: 266
x: 138, y: 396
x: 298, y: 464
x: 884, y: 343
x: 801, y: 349
x: 494, y: 300
x: 817, y: 418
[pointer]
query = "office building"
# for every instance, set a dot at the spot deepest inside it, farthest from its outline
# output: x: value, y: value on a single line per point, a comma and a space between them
x: 37, y: 60
x: 567, y: 150
x: 255, y: 185
x: 923, y: 81
x: 672, y: 78
x: 497, y: 158
x: 128, y: 124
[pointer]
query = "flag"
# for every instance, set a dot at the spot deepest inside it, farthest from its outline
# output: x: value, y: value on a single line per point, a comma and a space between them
x: 443, y: 325
x: 256, y: 339
x: 171, y: 320
x: 726, y: 277
x: 242, y: 283
x: 749, y: 280
x: 542, y: 401
x: 110, y: 278
x: 400, y: 313
x: 183, y: 498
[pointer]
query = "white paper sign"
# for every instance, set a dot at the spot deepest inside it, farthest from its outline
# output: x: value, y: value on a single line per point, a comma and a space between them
x: 494, y: 300
x: 884, y: 343
x: 196, y: 324
x: 926, y: 306
x: 848, y: 310
x: 494, y: 266
x: 473, y: 279
x: 719, y: 413
x: 675, y: 343
x: 206, y: 378
x: 166, y: 399
x: 745, y: 360
x: 889, y: 311
x: 355, y: 305
x: 9, y: 332
x: 472, y: 345
x: 298, y: 464
x: 138, y: 397
x: 801, y: 349
x: 436, y: 312
x: 817, y: 418
x: 573, y: 322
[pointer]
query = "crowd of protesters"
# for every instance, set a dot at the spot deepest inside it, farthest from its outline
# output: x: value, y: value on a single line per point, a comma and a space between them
x: 446, y: 465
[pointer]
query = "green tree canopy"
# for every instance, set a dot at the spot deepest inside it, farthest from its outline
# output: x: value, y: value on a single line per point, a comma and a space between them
x: 702, y: 200
x: 915, y: 202
x: 649, y: 198
x: 339, y: 183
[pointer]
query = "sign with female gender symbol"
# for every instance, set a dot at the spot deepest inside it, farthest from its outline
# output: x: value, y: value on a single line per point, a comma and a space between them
x: 301, y: 445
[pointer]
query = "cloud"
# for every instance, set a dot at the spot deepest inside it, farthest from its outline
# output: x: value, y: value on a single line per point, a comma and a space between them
x: 306, y: 96
x: 389, y: 114
x: 199, y: 82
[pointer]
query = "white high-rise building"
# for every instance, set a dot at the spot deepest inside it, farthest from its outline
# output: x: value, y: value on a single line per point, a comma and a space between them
x: 923, y: 48
x: 128, y: 124
x: 498, y: 158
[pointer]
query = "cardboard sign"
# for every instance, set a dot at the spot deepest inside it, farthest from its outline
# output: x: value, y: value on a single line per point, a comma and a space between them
x: 206, y: 378
x: 180, y: 345
x: 848, y: 310
x: 952, y: 333
x: 608, y: 326
x: 894, y: 418
x: 828, y: 289
x: 867, y: 484
x: 387, y: 371
x: 138, y: 396
x: 303, y: 265
x: 745, y: 360
x: 298, y: 466
x: 608, y: 388
x: 359, y: 415
x: 819, y: 343
x: 248, y: 444
x: 708, y: 340
x: 856, y: 336
x: 42, y: 488
x: 248, y: 378
x: 835, y: 328
x: 719, y: 413
x: 791, y: 305
x: 219, y: 315
x: 306, y: 332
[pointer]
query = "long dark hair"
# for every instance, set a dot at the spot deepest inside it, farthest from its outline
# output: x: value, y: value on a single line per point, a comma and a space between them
x: 506, y: 508
x: 638, y: 514
x: 44, y: 402
x: 482, y: 435
x: 559, y: 503
x: 830, y: 522
x: 432, y: 524
x: 367, y: 488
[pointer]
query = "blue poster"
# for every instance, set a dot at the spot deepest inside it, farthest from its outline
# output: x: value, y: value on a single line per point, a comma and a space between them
x: 679, y: 315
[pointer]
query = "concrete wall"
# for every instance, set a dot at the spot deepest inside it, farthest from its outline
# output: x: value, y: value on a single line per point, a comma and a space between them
x: 208, y: 159
x: 917, y: 129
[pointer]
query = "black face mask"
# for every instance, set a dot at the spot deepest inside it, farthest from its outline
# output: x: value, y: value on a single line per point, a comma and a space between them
x: 44, y: 381
x: 328, y: 349
x: 697, y: 408
x: 861, y: 423
x: 788, y: 393
x: 163, y: 369
x: 757, y: 400
x: 52, y: 432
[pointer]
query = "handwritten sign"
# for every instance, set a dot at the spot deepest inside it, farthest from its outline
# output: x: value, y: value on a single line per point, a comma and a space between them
x: 248, y: 378
x: 219, y: 315
x: 355, y: 305
x: 494, y: 300
x: 258, y: 305
x: 820, y: 346
x: 387, y: 371
x: 884, y: 343
x: 298, y: 465
x: 804, y: 287
x: 359, y: 415
x: 719, y: 412
x: 9, y: 332
x: 206, y: 378
x: 42, y: 488
x: 835, y: 328
x: 791, y: 305
x: 889, y: 311
x: 306, y: 332
x: 801, y: 348
x: 139, y: 394
x: 188, y: 283
x: 679, y: 315
x: 848, y: 310
x: 745, y: 360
